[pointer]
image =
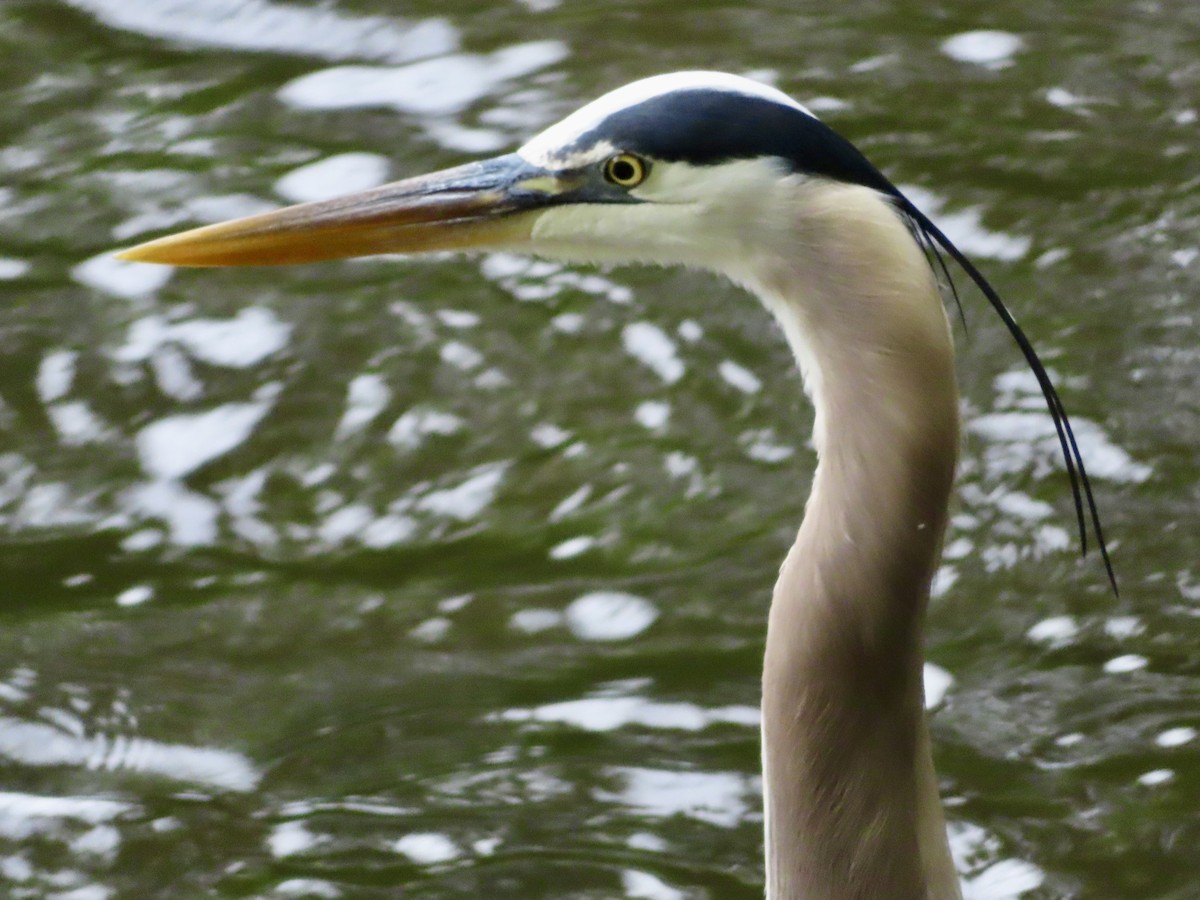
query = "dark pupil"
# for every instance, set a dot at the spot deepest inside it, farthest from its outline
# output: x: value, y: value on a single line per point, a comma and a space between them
x: 623, y: 170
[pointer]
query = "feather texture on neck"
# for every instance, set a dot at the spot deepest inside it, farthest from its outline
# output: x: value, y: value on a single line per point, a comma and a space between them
x: 852, y: 810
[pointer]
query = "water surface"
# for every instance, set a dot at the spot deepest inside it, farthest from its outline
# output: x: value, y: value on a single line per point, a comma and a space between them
x: 448, y: 578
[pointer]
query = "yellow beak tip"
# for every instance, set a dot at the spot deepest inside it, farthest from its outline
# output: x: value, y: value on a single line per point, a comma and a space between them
x: 142, y: 253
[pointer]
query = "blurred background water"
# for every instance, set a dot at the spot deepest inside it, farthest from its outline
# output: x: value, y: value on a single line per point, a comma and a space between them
x: 448, y: 578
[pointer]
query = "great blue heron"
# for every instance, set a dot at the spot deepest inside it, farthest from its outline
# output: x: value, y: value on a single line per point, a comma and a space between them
x: 721, y: 173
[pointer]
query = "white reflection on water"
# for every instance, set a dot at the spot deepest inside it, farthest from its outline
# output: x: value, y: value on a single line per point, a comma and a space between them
x: 76, y: 423
x: 1156, y: 777
x: 388, y: 530
x: 358, y: 805
x: 434, y: 87
x: 993, y: 49
x: 431, y: 630
x: 290, y: 838
x: 1176, y: 737
x: 175, y: 446
x: 458, y: 318
x: 611, y: 713
x: 356, y: 522
x: 965, y: 227
x: 101, y: 841
x: 253, y: 334
x: 469, y: 498
x: 411, y: 429
x: 717, y: 798
x: 645, y: 885
x: 135, y: 595
x: 1056, y: 631
x: 1122, y: 627
x: 55, y: 374
x: 460, y: 355
x: 286, y: 28
x: 48, y: 505
x: 763, y: 445
x: 307, y: 887
x: 333, y: 176
x: 1123, y: 665
x: 537, y: 280
x: 547, y: 435
x: 1064, y: 99
x: 1017, y: 439
x: 1022, y: 433
x: 83, y: 825
x: 652, y: 414
x: 23, y: 815
x: 573, y: 547
x: 245, y: 340
x: 943, y: 580
x: 427, y: 848
x: 649, y: 345
x: 114, y: 276
x: 983, y: 876
x: 1007, y: 879
x: 644, y: 840
x: 241, y: 499
x: 190, y: 517
x: 613, y: 706
x: 344, y: 523
x: 174, y: 374
x: 438, y: 90
x: 11, y: 269
x: 40, y: 744
x: 366, y: 397
x: 684, y: 466
x: 738, y: 377
x: 573, y: 501
x: 609, y: 616
x: 535, y: 620
x: 937, y: 683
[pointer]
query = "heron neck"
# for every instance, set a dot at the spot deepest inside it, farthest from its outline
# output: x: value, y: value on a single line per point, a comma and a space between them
x: 851, y: 802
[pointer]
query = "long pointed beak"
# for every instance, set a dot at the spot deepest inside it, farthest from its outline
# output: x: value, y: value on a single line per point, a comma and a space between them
x: 485, y: 204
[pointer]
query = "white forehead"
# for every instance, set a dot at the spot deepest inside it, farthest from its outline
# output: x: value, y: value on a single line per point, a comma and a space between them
x: 548, y: 146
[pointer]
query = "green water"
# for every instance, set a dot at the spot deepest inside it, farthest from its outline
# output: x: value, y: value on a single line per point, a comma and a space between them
x: 448, y: 578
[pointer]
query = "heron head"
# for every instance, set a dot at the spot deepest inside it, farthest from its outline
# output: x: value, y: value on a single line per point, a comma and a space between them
x: 680, y: 168
x: 692, y: 167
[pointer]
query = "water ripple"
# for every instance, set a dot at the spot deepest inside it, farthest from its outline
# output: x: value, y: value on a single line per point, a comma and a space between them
x: 261, y: 26
x: 43, y: 745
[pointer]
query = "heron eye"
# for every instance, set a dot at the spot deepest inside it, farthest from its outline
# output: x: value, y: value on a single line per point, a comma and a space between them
x: 625, y: 170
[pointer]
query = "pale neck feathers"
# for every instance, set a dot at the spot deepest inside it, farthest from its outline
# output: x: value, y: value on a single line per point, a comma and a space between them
x: 852, y: 809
